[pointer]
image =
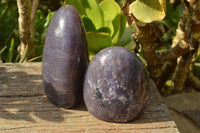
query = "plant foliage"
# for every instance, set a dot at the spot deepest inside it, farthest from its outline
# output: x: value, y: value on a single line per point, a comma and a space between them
x: 148, y: 11
x: 103, y: 21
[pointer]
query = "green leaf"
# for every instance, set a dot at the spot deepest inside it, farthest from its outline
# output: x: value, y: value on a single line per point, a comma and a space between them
x: 38, y: 52
x: 77, y: 4
x: 2, y: 50
x: 8, y: 22
x: 126, y: 38
x: 147, y: 11
x: 17, y: 58
x: 91, y: 55
x: 11, y: 50
x: 120, y: 2
x: 174, y: 14
x: 25, y: 54
x: 111, y: 11
x: 98, y: 1
x: 119, y: 25
x: 104, y: 29
x: 169, y: 24
x: 98, y: 41
x: 39, y: 21
x: 48, y: 18
x: 163, y: 4
x: 88, y: 24
x: 10, y: 34
x: 3, y: 9
x: 114, y: 19
x: 94, y: 12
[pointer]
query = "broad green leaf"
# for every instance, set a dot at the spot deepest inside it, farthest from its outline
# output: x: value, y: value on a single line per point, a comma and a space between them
x: 94, y: 12
x: 98, y: 41
x: 98, y: 1
x: 77, y: 4
x: 126, y: 38
x: 11, y: 51
x: 111, y: 11
x: 172, y: 16
x: 147, y: 11
x: 104, y: 29
x: 88, y: 24
x: 119, y: 24
x: 130, y: 45
x: 169, y: 24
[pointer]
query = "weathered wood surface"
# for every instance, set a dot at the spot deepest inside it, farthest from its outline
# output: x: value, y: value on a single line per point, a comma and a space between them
x: 25, y: 108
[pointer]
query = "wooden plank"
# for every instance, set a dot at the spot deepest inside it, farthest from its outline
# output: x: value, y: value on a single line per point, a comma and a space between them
x: 25, y: 108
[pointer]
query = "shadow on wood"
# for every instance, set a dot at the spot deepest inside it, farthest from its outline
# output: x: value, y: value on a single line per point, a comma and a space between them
x: 21, y: 95
x: 25, y: 107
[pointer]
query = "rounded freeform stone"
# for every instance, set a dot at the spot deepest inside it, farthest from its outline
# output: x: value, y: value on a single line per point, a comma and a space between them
x: 116, y: 85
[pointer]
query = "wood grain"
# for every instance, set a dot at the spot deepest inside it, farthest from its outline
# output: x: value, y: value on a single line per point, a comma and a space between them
x: 25, y: 108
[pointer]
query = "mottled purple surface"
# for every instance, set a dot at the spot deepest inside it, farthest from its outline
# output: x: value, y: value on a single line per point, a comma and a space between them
x: 65, y: 58
x: 116, y: 85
